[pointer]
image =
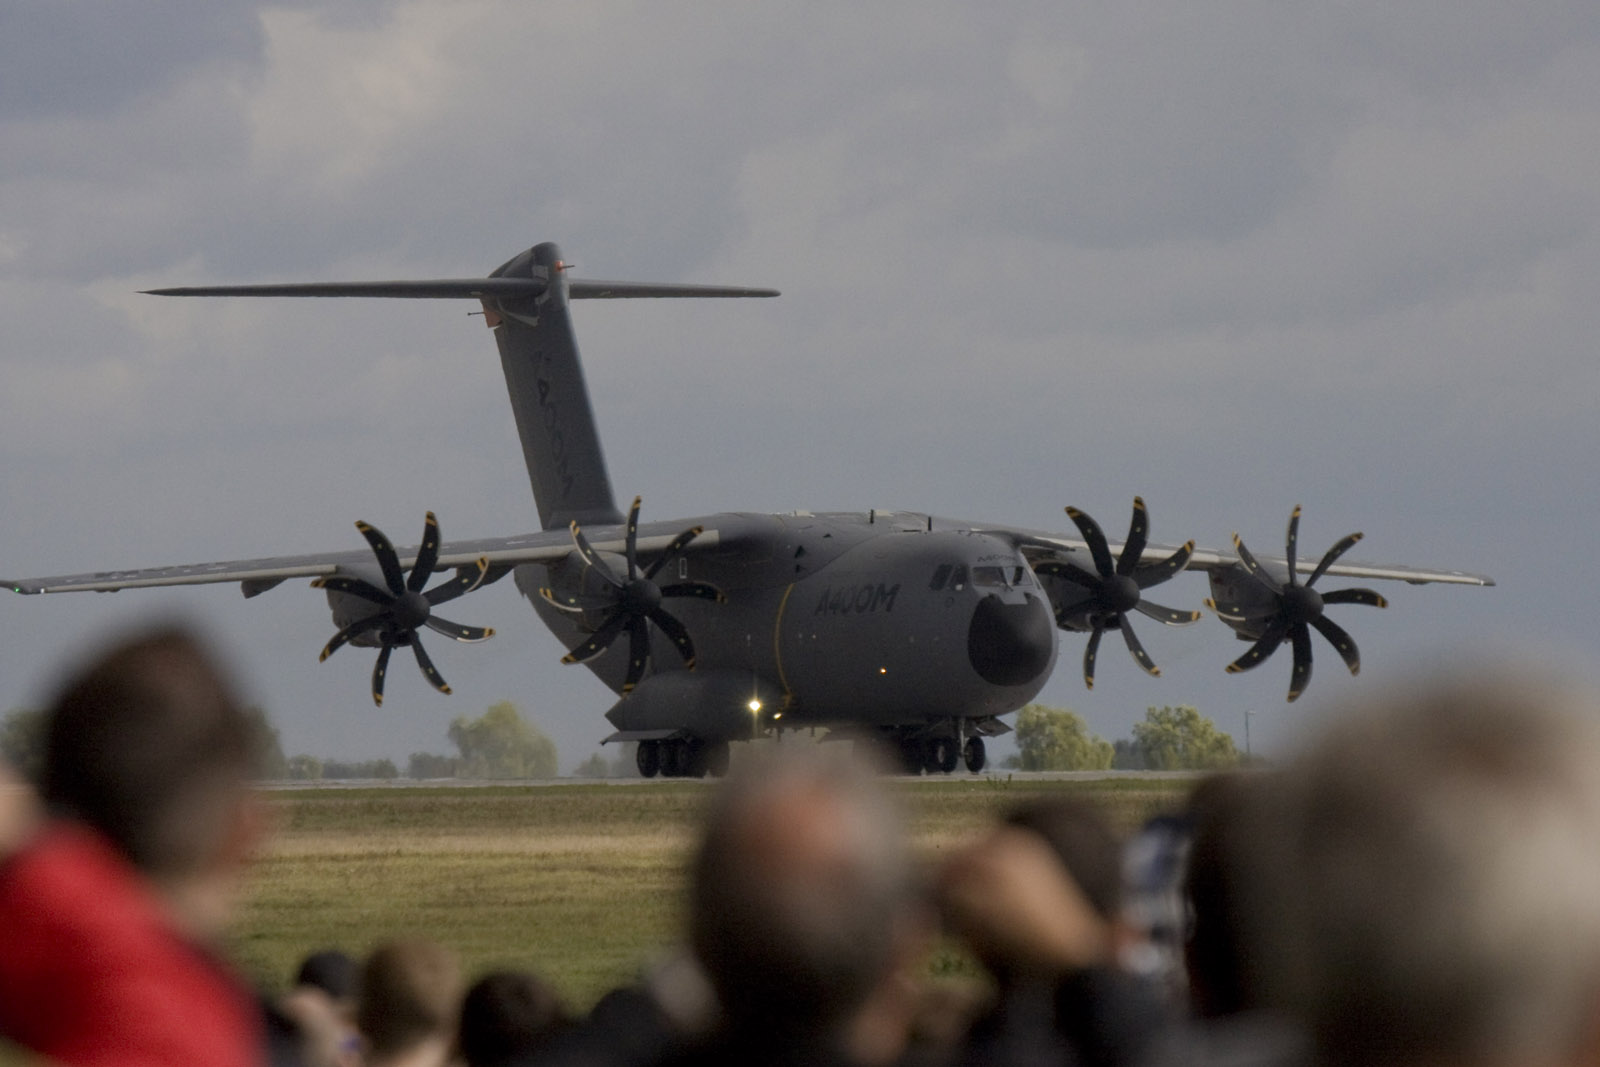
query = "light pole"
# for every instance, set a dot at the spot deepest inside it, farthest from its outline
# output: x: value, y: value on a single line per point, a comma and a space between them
x: 755, y: 715
x: 1248, y: 715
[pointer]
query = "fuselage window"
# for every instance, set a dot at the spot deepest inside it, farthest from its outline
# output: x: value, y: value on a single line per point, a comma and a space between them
x: 940, y: 576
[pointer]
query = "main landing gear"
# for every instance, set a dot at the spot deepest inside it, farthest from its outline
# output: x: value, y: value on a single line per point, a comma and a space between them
x: 682, y: 757
x: 939, y: 753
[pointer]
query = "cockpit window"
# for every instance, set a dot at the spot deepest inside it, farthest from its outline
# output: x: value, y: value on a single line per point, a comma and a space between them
x: 989, y: 576
x: 940, y: 576
x: 958, y: 578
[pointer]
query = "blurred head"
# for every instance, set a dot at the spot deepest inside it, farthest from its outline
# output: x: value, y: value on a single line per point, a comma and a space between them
x: 1440, y: 859
x: 1223, y: 972
x: 148, y: 745
x: 331, y: 971
x: 507, y: 1016
x: 800, y: 889
x: 1084, y: 843
x: 410, y: 992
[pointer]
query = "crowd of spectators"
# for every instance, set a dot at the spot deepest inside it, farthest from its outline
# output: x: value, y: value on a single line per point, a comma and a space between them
x: 1419, y: 886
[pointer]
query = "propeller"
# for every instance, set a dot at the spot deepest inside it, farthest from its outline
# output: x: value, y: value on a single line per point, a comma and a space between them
x: 403, y: 606
x: 1295, y: 610
x: 1116, y: 586
x: 633, y: 602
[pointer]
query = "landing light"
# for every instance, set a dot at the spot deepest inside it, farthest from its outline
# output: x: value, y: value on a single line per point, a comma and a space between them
x: 883, y: 670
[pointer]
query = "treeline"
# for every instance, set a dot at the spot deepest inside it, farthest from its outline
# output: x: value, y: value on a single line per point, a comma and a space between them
x: 1169, y: 739
x: 500, y: 743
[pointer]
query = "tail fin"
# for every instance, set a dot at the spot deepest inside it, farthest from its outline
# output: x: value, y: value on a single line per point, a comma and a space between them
x: 525, y: 303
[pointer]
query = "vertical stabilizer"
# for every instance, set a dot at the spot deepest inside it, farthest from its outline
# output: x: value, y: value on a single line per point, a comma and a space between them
x: 555, y: 422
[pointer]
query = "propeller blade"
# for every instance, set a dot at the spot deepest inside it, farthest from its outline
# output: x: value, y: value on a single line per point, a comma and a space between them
x: 1341, y: 641
x: 428, y: 671
x: 1355, y: 596
x: 1138, y: 531
x: 1070, y: 571
x: 638, y: 652
x: 1252, y: 567
x: 457, y: 632
x: 1332, y: 556
x: 1291, y: 541
x: 630, y: 551
x: 387, y: 560
x: 355, y: 587
x: 1096, y: 541
x: 700, y: 590
x: 599, y: 642
x: 592, y: 558
x: 1168, y: 616
x: 1156, y: 573
x: 467, y: 578
x: 1231, y: 610
x: 1090, y: 652
x: 676, y: 634
x: 1140, y: 656
x: 1270, y: 640
x: 427, y: 555
x: 673, y: 548
x: 380, y: 671
x: 1300, y: 676
x: 573, y: 603
x: 355, y: 629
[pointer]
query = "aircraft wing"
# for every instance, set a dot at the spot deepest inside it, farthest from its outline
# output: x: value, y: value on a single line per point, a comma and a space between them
x: 1039, y: 547
x: 258, y: 575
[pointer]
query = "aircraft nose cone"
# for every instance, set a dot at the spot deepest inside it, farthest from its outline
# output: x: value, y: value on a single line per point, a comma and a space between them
x: 1011, y: 644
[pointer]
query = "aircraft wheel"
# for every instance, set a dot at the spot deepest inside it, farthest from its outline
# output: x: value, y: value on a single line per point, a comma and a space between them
x: 942, y: 755
x: 912, y: 757
x: 648, y: 757
x: 674, y: 758
x: 715, y: 756
x: 974, y: 755
x: 694, y: 760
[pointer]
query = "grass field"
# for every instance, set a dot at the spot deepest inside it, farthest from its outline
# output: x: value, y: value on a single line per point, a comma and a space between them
x: 579, y: 883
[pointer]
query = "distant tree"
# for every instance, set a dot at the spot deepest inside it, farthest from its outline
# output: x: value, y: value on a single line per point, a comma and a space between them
x: 596, y: 766
x: 274, y: 764
x: 360, y: 769
x: 1180, y: 738
x: 1126, y: 755
x: 305, y: 768
x: 22, y: 741
x: 431, y: 765
x: 1055, y: 739
x: 501, y: 744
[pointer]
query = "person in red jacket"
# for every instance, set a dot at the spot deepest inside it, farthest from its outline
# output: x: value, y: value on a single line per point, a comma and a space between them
x: 110, y: 912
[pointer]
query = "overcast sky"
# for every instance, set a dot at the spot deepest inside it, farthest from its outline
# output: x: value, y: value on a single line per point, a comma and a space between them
x: 1229, y: 256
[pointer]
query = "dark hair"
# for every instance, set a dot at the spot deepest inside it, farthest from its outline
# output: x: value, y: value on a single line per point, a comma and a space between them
x: 331, y: 971
x: 506, y: 1016
x: 144, y: 744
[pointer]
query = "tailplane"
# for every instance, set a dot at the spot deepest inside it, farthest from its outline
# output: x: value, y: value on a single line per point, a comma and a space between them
x: 525, y: 303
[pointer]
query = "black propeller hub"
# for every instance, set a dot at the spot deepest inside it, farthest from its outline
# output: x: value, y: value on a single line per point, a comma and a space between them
x: 1301, y: 604
x: 1119, y: 593
x: 410, y: 610
x: 640, y: 596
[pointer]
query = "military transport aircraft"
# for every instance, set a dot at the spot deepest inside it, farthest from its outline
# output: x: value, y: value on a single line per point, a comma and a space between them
x: 921, y: 630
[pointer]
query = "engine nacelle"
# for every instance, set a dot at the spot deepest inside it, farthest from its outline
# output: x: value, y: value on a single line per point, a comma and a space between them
x: 348, y: 608
x: 1065, y: 592
x: 1234, y: 585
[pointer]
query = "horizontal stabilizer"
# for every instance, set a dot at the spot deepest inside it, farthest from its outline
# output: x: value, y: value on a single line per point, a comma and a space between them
x: 437, y: 289
x: 468, y: 289
x: 579, y: 289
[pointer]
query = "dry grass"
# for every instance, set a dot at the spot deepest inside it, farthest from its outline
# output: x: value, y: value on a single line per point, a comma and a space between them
x: 580, y: 883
